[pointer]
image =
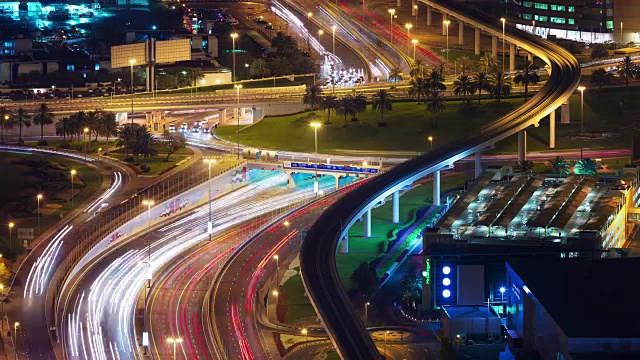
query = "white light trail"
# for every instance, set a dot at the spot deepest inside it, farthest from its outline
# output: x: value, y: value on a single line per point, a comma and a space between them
x: 117, y: 181
x: 41, y: 269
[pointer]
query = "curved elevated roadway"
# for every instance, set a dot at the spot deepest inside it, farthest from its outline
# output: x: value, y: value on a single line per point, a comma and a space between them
x: 318, y: 251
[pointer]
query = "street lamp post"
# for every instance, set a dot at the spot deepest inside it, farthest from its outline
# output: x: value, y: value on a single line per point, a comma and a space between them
x: 502, y: 290
x: 73, y: 172
x: 385, y: 343
x: 305, y: 332
x: 11, y: 225
x: 86, y: 132
x: 174, y: 341
x: 408, y: 26
x: 274, y: 293
x: 39, y: 197
x: 391, y: 13
x: 430, y: 143
x: 414, y: 42
x: 15, y: 337
x: 210, y: 223
x: 238, y: 87
x: 131, y: 62
x: 503, y: 25
x: 315, y: 126
x: 148, y: 204
x: 333, y: 29
x: 276, y: 257
x: 446, y: 23
x: 2, y: 301
x: 366, y: 313
x: 309, y: 15
x: 234, y: 36
x: 246, y: 66
x: 581, y: 88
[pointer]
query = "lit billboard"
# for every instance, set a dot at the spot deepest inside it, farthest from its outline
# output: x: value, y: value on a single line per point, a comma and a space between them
x: 170, y: 51
x: 120, y: 55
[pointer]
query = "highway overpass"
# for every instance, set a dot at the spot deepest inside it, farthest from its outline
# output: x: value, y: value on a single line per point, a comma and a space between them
x: 318, y: 251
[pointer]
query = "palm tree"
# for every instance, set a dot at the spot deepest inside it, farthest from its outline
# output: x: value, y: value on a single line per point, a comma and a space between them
x: 5, y: 114
x: 259, y: 68
x: 435, y: 105
x: 63, y: 127
x: 463, y: 86
x: 465, y: 63
x: 524, y: 166
x: 435, y: 81
x: 42, y: 117
x: 417, y: 69
x: 418, y: 88
x: 107, y: 124
x: 394, y: 74
x: 585, y: 167
x: 527, y: 77
x: 601, y: 77
x: 481, y: 83
x: 382, y: 101
x: 280, y: 66
x: 23, y: 120
x: 488, y: 63
x: 360, y: 106
x: 346, y: 106
x: 92, y: 122
x: 127, y: 137
x: 559, y: 166
x: 312, y: 96
x: 628, y: 69
x: 77, y: 122
x: 501, y: 86
x: 329, y: 102
x: 145, y: 144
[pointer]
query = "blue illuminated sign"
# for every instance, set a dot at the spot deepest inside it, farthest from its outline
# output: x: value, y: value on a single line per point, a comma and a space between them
x: 330, y: 167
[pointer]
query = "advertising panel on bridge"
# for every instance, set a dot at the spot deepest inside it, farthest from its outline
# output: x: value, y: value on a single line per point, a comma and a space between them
x: 120, y: 55
x: 170, y: 51
x: 331, y: 167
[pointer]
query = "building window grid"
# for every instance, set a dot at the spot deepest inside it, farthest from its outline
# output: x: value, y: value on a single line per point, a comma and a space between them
x: 541, y: 6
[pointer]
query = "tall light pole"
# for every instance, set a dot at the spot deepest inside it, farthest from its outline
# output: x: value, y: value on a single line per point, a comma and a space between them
x: 414, y: 42
x: 131, y: 62
x: 430, y: 143
x: 503, y: 25
x: 238, y: 87
x: 581, y: 88
x: 2, y: 301
x: 534, y: 27
x: 415, y: 9
x: 621, y: 33
x: 391, y: 13
x: 385, y: 343
x: 210, y: 223
x: 39, y: 197
x: 502, y: 290
x: 15, y: 337
x: 315, y: 126
x: 73, y: 172
x: 148, y: 204
x: 86, y: 132
x: 366, y: 313
x: 333, y: 29
x: 11, y: 225
x: 305, y: 332
x: 274, y: 293
x: 309, y: 15
x: 408, y: 26
x: 446, y: 23
x: 276, y: 257
x: 174, y: 341
x: 234, y: 36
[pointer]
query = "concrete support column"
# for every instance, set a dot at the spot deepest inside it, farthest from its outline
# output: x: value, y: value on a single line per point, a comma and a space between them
x: 396, y: 207
x: 429, y: 10
x: 436, y: 188
x: 522, y: 145
x: 444, y: 27
x: 530, y: 57
x: 494, y: 46
x: 512, y: 57
x: 460, y: 32
x: 552, y: 129
x: 565, y: 113
x: 337, y: 182
x: 477, y: 41
x: 367, y: 223
x: 344, y: 244
x: 478, y: 161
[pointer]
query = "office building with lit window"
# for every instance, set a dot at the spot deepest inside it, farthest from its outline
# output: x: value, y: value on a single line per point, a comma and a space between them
x: 581, y: 20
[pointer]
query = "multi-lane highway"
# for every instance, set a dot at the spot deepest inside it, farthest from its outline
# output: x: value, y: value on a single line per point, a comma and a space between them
x: 318, y: 264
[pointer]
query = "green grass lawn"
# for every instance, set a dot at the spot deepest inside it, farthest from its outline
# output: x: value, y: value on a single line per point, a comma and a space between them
x: 157, y: 163
x: 27, y: 175
x: 298, y: 305
x: 408, y: 127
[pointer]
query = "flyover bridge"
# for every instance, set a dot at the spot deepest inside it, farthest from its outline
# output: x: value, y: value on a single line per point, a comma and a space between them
x: 317, y: 257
